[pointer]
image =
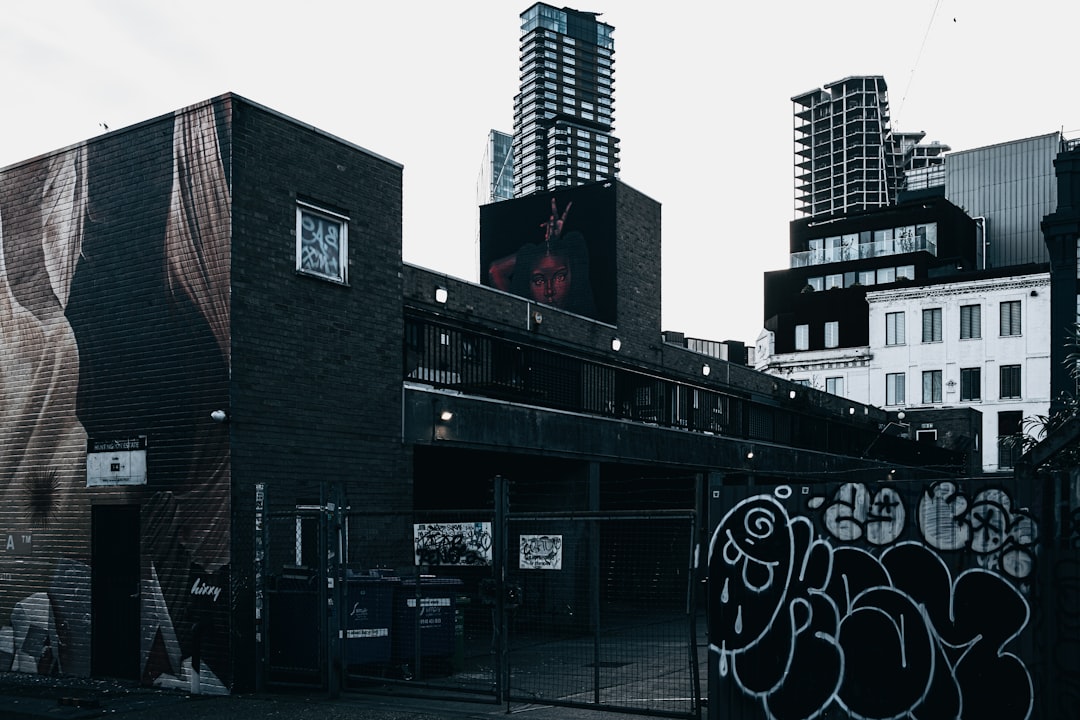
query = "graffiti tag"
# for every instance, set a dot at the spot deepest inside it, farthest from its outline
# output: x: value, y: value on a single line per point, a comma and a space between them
x: 811, y: 630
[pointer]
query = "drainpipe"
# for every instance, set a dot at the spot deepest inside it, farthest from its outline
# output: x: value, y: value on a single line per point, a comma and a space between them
x: 981, y: 222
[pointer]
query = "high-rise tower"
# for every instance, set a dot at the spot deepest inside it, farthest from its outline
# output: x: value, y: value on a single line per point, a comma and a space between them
x: 563, y: 111
x: 496, y: 180
x: 846, y: 157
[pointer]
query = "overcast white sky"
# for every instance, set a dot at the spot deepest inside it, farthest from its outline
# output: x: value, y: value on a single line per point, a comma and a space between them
x: 702, y: 99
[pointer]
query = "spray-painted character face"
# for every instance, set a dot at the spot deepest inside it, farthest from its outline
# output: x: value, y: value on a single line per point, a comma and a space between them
x: 750, y: 561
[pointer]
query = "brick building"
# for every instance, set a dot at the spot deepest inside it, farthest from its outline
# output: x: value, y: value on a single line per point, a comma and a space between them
x: 215, y: 367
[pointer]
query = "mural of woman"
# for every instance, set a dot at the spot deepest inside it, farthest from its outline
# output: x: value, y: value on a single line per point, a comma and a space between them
x: 554, y: 272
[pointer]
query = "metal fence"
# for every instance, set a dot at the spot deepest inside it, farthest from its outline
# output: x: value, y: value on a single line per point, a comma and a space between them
x: 603, y: 612
x: 292, y: 600
x: 584, y: 610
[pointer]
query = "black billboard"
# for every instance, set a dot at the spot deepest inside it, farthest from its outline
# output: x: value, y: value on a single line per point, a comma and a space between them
x: 555, y: 248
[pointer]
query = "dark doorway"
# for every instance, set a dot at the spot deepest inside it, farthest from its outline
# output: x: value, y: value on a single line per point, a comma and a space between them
x: 115, y: 592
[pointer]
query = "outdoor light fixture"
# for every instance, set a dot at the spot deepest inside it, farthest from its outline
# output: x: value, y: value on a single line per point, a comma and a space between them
x: 219, y: 416
x: 446, y: 416
x: 440, y: 295
x: 616, y: 343
x: 851, y: 411
x: 791, y: 394
x: 705, y: 370
x: 750, y: 455
x: 537, y: 317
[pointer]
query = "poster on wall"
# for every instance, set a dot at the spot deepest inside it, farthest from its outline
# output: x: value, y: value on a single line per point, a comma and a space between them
x: 555, y: 248
x: 459, y: 543
x: 540, y: 552
x: 116, y: 462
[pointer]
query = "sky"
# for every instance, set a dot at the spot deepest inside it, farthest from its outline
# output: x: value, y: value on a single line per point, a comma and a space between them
x: 702, y: 100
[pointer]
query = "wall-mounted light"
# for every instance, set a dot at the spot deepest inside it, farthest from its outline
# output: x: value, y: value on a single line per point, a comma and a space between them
x: 446, y: 416
x: 441, y: 294
x: 705, y: 370
x: 851, y: 411
x: 1034, y: 293
x: 537, y: 318
x: 616, y: 343
x: 219, y: 416
x: 750, y: 455
x: 791, y: 394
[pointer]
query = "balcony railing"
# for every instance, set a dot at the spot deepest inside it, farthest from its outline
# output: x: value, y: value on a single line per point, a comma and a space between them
x: 858, y: 251
x: 476, y: 363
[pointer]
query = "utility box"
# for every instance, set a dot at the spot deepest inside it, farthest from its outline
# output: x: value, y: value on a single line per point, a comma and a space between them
x: 425, y: 618
x: 369, y: 608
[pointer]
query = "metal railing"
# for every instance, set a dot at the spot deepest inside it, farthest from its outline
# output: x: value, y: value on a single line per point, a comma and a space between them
x: 880, y: 248
x: 487, y: 366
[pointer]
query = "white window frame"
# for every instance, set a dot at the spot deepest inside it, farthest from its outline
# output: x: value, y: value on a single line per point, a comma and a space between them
x: 932, y: 387
x: 316, y: 254
x: 971, y: 322
x: 932, y: 325
x: 895, y: 388
x: 1013, y: 370
x: 802, y: 337
x: 832, y: 334
x: 894, y: 328
x: 1010, y: 324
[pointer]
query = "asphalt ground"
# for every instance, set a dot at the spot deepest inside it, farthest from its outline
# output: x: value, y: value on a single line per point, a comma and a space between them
x: 34, y: 697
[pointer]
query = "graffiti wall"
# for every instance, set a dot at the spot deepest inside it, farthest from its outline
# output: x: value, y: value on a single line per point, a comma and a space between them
x: 114, y: 282
x: 877, y: 601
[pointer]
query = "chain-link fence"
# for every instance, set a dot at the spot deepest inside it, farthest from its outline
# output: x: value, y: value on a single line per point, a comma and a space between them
x: 602, y: 612
x: 294, y: 596
x: 592, y: 610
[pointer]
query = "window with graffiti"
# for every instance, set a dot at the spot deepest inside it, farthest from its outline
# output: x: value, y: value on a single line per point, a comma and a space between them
x: 322, y: 243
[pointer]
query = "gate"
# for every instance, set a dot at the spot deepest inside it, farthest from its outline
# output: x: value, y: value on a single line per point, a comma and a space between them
x: 292, y: 595
x: 590, y: 610
x: 601, y: 612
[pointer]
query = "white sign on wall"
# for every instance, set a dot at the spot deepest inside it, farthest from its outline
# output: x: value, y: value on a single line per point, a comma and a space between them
x: 116, y: 462
x: 540, y: 552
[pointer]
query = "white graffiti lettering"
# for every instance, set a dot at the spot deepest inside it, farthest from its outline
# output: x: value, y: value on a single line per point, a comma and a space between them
x: 810, y: 630
x: 203, y: 589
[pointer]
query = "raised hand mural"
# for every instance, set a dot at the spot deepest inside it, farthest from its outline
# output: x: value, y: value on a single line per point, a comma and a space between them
x: 808, y: 627
x: 114, y: 307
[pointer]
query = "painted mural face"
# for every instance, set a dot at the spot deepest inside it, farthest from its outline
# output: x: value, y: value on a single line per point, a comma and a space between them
x: 545, y: 249
x: 550, y: 280
x: 752, y: 560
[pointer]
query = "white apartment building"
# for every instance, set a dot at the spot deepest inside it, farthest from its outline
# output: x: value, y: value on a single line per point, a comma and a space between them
x: 983, y: 344
x: 843, y: 371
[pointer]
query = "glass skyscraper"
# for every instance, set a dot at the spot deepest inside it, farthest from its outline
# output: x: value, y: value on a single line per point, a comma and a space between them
x: 563, y: 111
x: 496, y: 181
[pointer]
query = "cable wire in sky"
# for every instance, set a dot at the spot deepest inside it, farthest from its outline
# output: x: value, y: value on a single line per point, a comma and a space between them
x: 915, y: 66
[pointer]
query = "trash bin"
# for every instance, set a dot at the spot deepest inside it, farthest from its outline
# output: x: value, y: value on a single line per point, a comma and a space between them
x: 425, y: 605
x: 294, y: 627
x: 369, y: 603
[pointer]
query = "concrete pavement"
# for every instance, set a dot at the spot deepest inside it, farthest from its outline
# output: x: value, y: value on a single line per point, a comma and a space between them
x: 34, y: 697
